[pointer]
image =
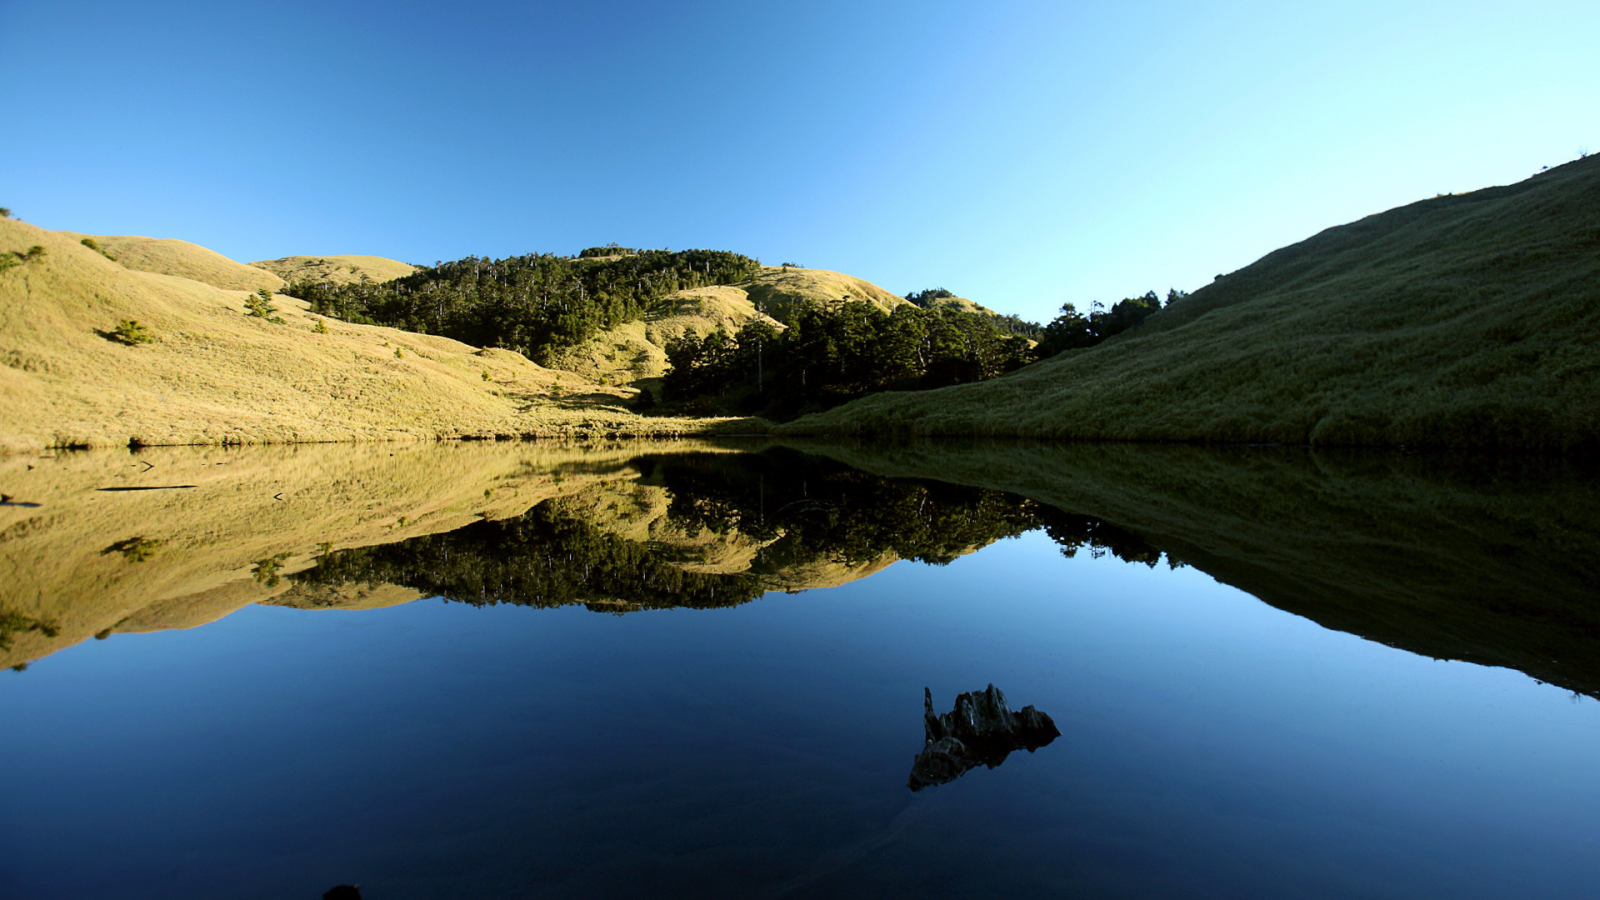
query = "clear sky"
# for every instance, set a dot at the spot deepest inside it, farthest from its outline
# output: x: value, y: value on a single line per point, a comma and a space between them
x: 1022, y: 154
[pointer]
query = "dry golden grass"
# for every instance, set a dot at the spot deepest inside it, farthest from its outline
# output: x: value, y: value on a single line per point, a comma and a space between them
x: 962, y: 304
x: 776, y: 291
x: 636, y: 351
x: 336, y: 269
x: 59, y: 563
x: 214, y: 375
x: 168, y: 256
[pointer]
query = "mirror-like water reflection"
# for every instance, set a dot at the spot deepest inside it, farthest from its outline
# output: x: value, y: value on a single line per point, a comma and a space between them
x: 326, y: 728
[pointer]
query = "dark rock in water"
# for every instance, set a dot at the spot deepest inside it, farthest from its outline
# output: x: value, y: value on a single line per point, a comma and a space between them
x: 981, y: 730
x: 343, y: 892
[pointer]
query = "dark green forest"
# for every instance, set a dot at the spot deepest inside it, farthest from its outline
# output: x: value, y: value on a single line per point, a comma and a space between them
x: 1009, y: 324
x: 829, y: 355
x: 533, y: 304
x: 806, y: 509
x: 539, y: 303
x: 1074, y: 331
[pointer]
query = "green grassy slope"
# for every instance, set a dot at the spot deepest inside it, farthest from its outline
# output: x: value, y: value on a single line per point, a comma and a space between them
x: 1467, y: 320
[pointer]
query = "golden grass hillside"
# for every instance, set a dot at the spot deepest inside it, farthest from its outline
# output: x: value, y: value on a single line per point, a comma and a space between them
x: 636, y: 351
x: 212, y: 374
x: 961, y: 304
x: 94, y: 543
x: 777, y: 290
x: 1469, y: 320
x: 336, y: 269
x: 168, y: 256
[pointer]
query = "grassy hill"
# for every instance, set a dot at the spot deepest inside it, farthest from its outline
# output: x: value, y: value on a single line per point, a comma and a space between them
x: 961, y: 304
x: 81, y: 561
x: 212, y: 374
x: 336, y: 269
x: 636, y: 351
x: 1467, y: 320
x: 168, y: 256
x: 777, y: 290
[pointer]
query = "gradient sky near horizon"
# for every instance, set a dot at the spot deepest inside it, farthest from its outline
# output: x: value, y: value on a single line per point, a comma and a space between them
x: 1023, y: 154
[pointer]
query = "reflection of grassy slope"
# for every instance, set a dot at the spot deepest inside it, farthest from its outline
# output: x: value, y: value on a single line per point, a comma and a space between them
x: 638, y: 512
x: 1494, y: 566
x: 1462, y: 321
x: 216, y: 375
x: 336, y: 269
x: 695, y: 531
x: 204, y: 542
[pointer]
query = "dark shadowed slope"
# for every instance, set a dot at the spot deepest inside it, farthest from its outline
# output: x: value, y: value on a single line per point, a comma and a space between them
x: 1467, y: 320
x: 1453, y: 556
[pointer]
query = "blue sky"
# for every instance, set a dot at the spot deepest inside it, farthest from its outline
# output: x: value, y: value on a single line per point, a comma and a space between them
x: 1022, y: 154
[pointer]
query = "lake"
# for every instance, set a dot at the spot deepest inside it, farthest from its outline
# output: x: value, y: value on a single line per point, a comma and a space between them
x: 698, y: 670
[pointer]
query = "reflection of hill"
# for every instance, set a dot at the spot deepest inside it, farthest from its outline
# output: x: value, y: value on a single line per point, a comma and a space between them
x: 87, y: 561
x: 1493, y: 564
x: 642, y: 512
x: 191, y: 535
x: 696, y: 531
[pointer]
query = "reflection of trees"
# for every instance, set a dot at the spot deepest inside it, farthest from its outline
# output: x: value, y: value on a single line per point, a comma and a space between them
x: 824, y: 510
x: 1075, y: 532
x: 542, y: 558
x: 802, y: 510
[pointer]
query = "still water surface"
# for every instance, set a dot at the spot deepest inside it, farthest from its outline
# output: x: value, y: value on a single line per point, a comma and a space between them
x: 1212, y: 745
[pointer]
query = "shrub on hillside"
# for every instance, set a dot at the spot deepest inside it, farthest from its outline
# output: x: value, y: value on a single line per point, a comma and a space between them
x: 12, y: 259
x: 94, y: 245
x: 259, y: 305
x: 131, y: 333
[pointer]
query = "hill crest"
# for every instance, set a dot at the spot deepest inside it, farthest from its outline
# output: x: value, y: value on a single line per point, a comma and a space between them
x: 1464, y: 321
x: 212, y: 374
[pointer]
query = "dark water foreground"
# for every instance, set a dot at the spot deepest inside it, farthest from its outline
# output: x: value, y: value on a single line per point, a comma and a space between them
x: 671, y: 674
